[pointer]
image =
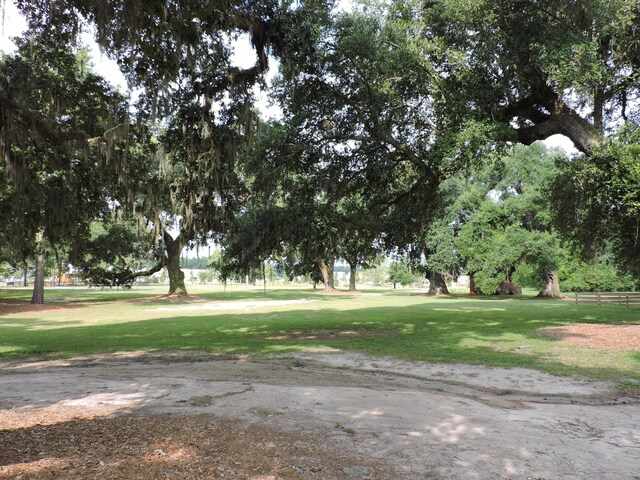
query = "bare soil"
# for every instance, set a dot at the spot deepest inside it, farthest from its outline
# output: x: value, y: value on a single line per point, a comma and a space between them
x: 594, y: 335
x: 12, y: 307
x: 165, y: 446
x: 307, y: 416
x: 170, y: 298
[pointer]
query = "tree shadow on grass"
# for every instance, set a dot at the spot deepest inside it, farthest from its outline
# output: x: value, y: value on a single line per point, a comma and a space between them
x: 466, y: 331
x: 72, y: 295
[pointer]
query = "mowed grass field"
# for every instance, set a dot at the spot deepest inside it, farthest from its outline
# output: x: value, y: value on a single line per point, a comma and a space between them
x: 492, y: 331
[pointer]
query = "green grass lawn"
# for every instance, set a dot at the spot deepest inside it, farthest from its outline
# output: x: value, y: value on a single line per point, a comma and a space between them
x: 473, y: 330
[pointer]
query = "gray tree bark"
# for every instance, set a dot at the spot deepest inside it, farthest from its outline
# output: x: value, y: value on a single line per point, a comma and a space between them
x: 25, y: 271
x: 437, y: 284
x: 552, y: 287
x: 326, y: 269
x: 37, y: 298
x: 176, y: 275
x: 352, y: 276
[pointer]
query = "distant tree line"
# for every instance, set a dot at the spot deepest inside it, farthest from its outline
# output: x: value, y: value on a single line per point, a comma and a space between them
x: 409, y: 129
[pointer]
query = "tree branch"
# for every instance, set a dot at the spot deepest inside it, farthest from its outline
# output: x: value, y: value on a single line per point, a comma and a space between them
x: 584, y: 136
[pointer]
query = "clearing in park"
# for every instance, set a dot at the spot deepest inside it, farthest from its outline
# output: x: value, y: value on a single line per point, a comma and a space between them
x: 296, y: 384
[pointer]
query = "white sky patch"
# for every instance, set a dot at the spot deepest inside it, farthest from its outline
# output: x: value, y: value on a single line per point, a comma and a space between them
x: 344, y: 6
x: 269, y: 109
x: 102, y: 65
x: 244, y: 56
x: 13, y: 25
x: 562, y: 142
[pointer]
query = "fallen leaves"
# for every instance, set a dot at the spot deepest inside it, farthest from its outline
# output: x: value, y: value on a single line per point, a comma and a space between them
x: 602, y: 336
x: 163, y: 446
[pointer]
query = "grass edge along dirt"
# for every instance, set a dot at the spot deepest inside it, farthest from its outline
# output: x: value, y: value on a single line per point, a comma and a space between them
x: 497, y: 331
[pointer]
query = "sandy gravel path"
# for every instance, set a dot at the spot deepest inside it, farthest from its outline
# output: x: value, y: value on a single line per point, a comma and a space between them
x: 407, y: 420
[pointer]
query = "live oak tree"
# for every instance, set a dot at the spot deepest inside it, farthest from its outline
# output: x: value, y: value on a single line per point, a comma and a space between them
x: 114, y: 251
x: 532, y: 69
x: 515, y: 71
x: 389, y: 102
x: 597, y: 200
x: 56, y: 129
x: 355, y: 130
x: 365, y: 102
x: 195, y: 186
x: 400, y: 271
x: 504, y: 221
x: 536, y: 68
x: 597, y: 274
x: 16, y: 231
x: 359, y: 234
x: 292, y: 209
x: 302, y: 209
x: 180, y: 56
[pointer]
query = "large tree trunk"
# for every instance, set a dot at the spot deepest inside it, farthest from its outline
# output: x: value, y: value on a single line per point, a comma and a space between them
x: 507, y: 287
x: 437, y: 284
x: 552, y: 287
x: 598, y: 109
x: 352, y: 276
x: 326, y: 269
x: 550, y: 115
x: 58, y: 264
x: 176, y: 275
x: 473, y: 288
x: 41, y: 258
x: 25, y: 271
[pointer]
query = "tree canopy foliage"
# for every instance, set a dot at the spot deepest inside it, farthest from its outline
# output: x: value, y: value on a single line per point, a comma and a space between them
x: 537, y: 68
x: 396, y: 117
x: 599, y: 200
x: 194, y: 110
x: 57, y: 124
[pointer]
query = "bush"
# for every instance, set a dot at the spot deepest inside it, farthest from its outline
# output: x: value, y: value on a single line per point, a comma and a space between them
x: 601, y: 276
x: 400, y: 272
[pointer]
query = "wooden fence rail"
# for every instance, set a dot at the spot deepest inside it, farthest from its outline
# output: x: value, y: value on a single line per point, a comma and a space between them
x: 628, y: 299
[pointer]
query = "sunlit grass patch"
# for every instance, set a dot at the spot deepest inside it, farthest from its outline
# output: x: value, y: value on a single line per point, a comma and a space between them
x: 501, y: 331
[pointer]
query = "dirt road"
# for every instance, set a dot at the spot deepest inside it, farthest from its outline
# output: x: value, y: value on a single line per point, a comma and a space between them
x: 323, y: 415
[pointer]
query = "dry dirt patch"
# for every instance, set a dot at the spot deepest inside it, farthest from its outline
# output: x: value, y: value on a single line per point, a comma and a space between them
x: 178, y: 299
x: 166, y: 446
x: 228, y: 305
x: 307, y: 416
x: 339, y: 292
x: 12, y: 307
x: 606, y: 337
x: 160, y: 303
